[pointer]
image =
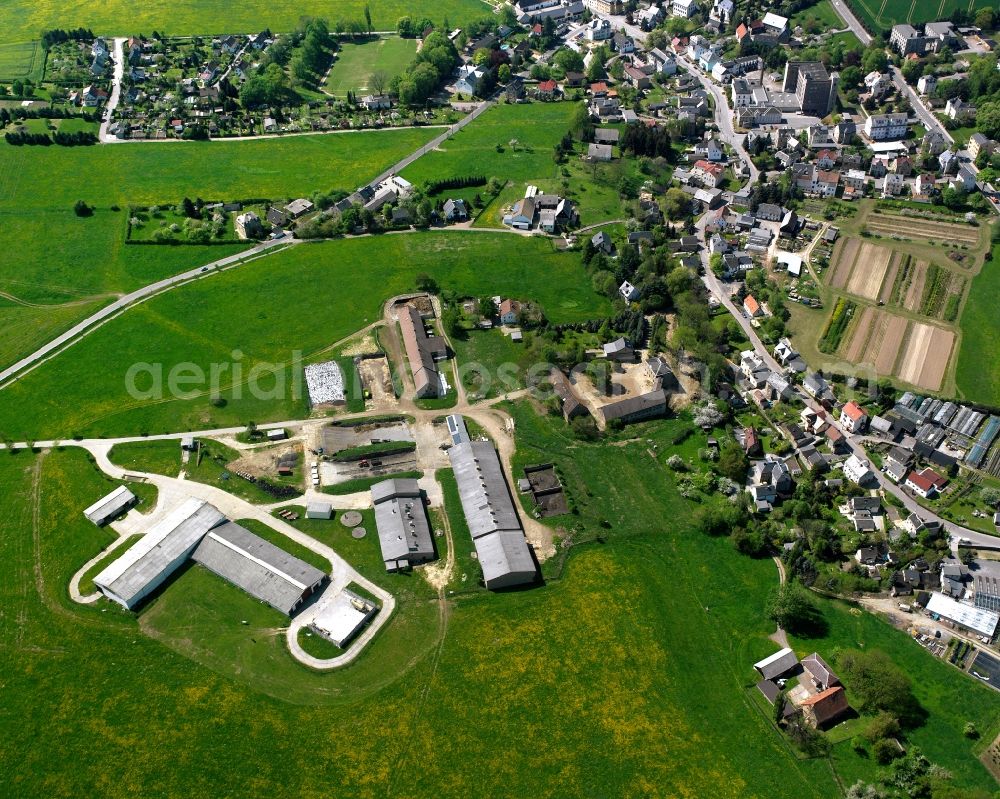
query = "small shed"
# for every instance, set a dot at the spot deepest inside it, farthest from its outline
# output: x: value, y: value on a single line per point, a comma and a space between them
x: 187, y: 444
x: 107, y: 508
x: 278, y: 434
x: 319, y: 510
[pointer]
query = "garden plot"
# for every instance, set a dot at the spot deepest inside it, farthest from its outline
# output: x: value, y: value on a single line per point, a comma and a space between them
x: 896, y: 264
x: 914, y: 290
x: 923, y: 228
x: 876, y: 340
x: 855, y: 347
x: 843, y: 262
x: 925, y: 358
x: 892, y: 329
x: 869, y: 270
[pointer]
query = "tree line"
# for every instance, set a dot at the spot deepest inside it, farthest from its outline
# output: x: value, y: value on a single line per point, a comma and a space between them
x: 435, y: 186
x: 77, y: 139
x: 58, y: 36
x: 19, y: 114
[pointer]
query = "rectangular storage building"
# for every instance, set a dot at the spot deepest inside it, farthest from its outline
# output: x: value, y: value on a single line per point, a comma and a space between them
x: 263, y: 570
x: 421, y: 350
x: 489, y: 511
x: 107, y: 508
x: 404, y: 532
x: 343, y: 617
x: 154, y: 557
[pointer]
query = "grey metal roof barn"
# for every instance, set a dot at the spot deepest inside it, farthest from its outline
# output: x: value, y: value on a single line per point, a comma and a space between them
x: 457, y: 429
x: 107, y: 508
x: 404, y: 532
x: 777, y: 664
x: 489, y: 511
x: 264, y: 571
x: 154, y: 557
x: 420, y: 350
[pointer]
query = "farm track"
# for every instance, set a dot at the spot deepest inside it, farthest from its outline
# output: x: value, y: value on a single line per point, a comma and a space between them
x: 54, y: 306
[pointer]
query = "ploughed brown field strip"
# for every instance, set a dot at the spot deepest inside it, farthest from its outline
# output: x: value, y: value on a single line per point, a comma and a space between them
x: 889, y: 282
x: 914, y: 352
x: 888, y: 348
x: 915, y: 292
x: 854, y: 349
x: 869, y: 270
x: 843, y: 262
x: 926, y: 356
x: 921, y: 228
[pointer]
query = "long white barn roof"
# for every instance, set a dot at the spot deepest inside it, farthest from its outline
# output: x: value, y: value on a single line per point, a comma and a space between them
x: 159, y: 549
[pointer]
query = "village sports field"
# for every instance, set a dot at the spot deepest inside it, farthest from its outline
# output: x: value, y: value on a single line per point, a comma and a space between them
x: 881, y: 15
x: 356, y: 63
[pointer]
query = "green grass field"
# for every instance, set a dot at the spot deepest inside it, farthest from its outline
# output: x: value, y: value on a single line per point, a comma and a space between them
x: 490, y: 363
x: 26, y: 20
x: 633, y: 710
x: 356, y: 63
x: 64, y: 259
x: 21, y: 60
x: 267, y: 311
x: 473, y: 150
x: 980, y: 336
x: 823, y: 12
x: 630, y: 667
x: 883, y: 14
x: 156, y: 174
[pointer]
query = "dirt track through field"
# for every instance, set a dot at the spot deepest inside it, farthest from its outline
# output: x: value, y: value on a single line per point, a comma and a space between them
x: 869, y: 271
x: 843, y: 262
x: 855, y: 348
x: 915, y: 291
x: 926, y: 357
x: 894, y: 329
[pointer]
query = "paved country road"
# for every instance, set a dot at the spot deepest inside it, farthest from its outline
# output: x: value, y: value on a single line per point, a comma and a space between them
x: 117, y: 54
x: 436, y: 142
x: 845, y: 13
x: 139, y: 295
